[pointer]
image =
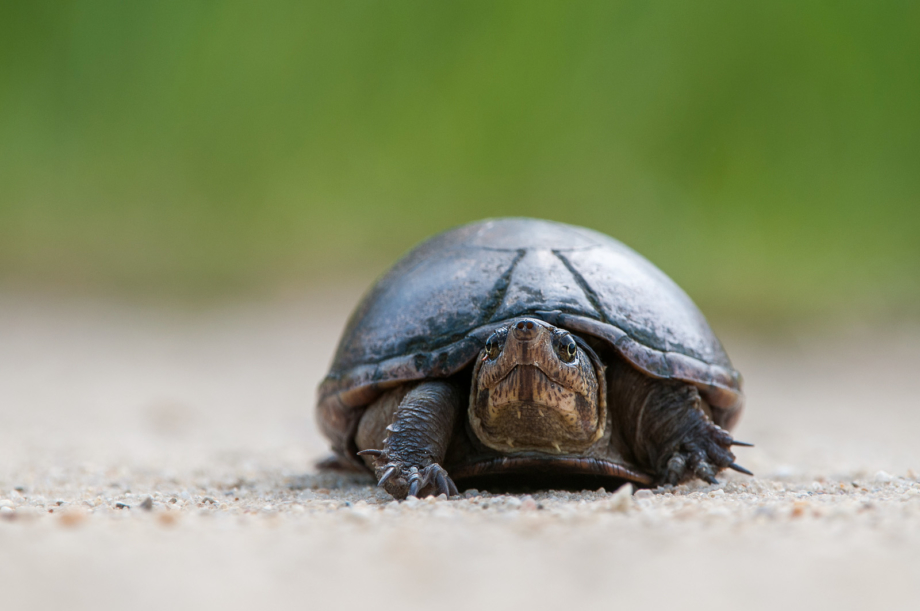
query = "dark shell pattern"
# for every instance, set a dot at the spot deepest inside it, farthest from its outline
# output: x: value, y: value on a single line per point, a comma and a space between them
x: 429, y: 316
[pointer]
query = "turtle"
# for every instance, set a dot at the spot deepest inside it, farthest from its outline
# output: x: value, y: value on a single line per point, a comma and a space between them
x: 519, y: 349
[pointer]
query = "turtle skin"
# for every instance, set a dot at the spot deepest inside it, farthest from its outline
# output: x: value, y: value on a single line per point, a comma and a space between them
x: 429, y: 316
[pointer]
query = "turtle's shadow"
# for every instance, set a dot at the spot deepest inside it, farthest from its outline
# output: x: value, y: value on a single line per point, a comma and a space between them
x: 527, y: 483
x: 495, y: 484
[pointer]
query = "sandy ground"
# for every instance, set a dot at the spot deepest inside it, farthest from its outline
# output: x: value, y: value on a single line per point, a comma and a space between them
x: 156, y: 458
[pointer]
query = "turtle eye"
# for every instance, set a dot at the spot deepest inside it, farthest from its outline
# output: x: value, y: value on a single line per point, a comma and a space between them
x: 492, y: 346
x: 568, y: 349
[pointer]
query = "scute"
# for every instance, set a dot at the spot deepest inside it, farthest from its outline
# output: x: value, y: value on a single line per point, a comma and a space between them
x: 640, y: 299
x: 417, y: 307
x: 428, y: 316
x: 528, y: 286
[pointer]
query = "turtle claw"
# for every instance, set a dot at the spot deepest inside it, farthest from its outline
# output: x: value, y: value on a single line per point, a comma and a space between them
x: 702, y: 456
x: 432, y: 479
x: 677, y: 465
x: 445, y: 484
x: 387, y: 475
x: 745, y: 444
x: 414, y: 481
x: 739, y: 469
x: 684, y: 466
x: 705, y: 472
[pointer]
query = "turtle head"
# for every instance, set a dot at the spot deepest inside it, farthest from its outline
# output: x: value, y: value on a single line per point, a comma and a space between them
x: 537, y: 388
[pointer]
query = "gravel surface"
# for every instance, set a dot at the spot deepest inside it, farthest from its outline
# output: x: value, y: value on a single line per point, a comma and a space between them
x: 161, y: 458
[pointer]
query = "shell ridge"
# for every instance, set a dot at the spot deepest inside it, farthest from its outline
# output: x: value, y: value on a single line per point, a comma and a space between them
x: 589, y: 293
x: 500, y: 289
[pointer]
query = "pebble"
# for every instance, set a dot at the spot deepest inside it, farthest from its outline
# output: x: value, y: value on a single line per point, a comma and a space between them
x: 72, y: 517
x: 883, y: 478
x: 167, y: 518
x: 622, y: 499
x: 359, y: 514
x: 644, y: 493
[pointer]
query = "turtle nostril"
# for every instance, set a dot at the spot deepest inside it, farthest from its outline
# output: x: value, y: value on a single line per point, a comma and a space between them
x: 525, y: 330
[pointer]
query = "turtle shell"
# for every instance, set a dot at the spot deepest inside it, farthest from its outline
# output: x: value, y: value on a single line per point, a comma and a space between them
x: 429, y: 316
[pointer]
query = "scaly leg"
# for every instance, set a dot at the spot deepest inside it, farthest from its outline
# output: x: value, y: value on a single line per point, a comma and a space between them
x: 665, y: 429
x: 415, y: 440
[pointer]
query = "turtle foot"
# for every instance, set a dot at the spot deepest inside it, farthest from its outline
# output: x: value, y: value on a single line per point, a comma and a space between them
x: 403, y: 481
x: 702, y: 455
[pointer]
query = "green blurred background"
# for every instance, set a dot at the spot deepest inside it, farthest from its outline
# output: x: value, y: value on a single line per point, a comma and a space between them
x: 765, y: 155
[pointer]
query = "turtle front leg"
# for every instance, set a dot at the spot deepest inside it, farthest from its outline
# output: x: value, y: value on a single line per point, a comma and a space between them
x: 666, y: 431
x: 679, y: 440
x: 414, y: 441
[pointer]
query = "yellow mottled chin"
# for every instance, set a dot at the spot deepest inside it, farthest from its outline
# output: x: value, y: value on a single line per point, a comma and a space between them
x: 527, y: 411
